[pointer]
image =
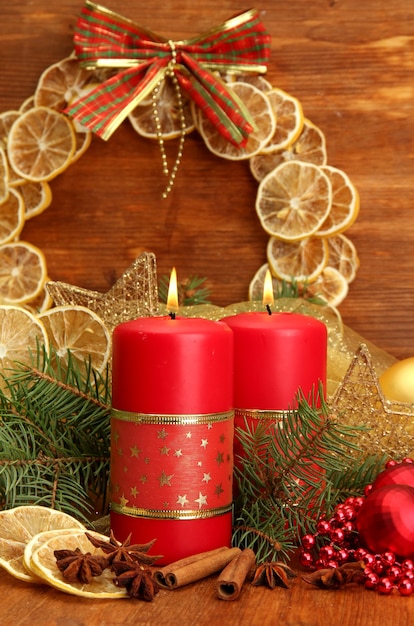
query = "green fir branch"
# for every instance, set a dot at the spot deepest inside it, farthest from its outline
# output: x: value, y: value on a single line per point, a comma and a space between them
x: 291, y: 473
x: 54, y: 436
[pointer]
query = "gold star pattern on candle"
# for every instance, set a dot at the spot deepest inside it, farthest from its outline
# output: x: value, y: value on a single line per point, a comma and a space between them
x: 134, y: 294
x: 359, y: 400
x: 191, y: 464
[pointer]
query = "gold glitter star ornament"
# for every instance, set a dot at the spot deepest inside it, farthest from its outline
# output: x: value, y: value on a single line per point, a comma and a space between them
x: 134, y: 294
x: 359, y: 400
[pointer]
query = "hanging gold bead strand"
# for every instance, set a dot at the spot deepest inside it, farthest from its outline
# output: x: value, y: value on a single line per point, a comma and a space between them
x: 158, y: 126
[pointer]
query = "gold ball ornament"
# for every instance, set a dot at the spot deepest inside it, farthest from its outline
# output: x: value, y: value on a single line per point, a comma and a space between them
x: 397, y: 382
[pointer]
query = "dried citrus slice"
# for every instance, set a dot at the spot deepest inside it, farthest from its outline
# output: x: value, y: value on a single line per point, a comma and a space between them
x: 345, y: 203
x: 343, y: 256
x: 43, y: 301
x: 289, y: 120
x: 309, y: 147
x: 20, y: 334
x: 61, y: 83
x: 331, y: 285
x: 262, y: 114
x: 43, y: 564
x: 294, y: 200
x: 79, y: 330
x: 41, y: 144
x: 166, y: 108
x: 19, y: 525
x: 301, y: 260
x: 11, y: 216
x: 257, y: 283
x: 7, y: 120
x: 22, y: 272
x: 39, y: 539
x: 256, y: 80
x: 36, y: 196
x: 4, y: 176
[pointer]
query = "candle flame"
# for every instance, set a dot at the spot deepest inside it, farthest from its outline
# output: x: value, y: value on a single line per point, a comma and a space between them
x: 268, y: 298
x: 172, y: 299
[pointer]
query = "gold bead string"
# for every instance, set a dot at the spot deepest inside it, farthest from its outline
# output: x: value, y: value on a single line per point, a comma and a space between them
x: 158, y: 127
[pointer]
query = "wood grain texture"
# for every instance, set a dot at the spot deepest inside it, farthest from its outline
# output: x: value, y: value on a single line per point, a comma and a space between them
x: 197, y: 603
x: 351, y: 65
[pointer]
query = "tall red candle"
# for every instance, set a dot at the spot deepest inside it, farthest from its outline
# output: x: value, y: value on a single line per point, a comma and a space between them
x: 275, y: 356
x: 172, y: 434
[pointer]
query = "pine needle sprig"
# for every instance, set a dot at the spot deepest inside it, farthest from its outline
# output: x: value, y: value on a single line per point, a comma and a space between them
x: 293, y: 471
x: 54, y: 436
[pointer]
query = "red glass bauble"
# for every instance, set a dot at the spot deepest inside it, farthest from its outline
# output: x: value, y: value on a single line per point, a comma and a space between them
x: 400, y: 474
x: 386, y: 521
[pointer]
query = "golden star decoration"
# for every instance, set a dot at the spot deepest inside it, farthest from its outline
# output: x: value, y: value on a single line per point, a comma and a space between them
x: 359, y: 400
x: 135, y: 294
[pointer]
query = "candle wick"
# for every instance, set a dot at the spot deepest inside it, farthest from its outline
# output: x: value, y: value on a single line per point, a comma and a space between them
x: 268, y: 309
x: 172, y: 315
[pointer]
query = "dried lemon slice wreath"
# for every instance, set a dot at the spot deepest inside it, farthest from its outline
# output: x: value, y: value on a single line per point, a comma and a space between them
x: 304, y: 204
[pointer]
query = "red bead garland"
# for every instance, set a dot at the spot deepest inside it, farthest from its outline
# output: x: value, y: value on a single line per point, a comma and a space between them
x: 336, y: 541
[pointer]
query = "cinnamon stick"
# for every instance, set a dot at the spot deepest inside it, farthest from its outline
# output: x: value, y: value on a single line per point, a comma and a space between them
x: 194, y: 567
x: 231, y: 579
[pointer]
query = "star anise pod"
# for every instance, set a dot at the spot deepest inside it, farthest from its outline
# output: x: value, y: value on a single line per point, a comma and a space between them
x: 136, y: 579
x: 336, y: 577
x: 273, y: 574
x: 77, y: 566
x: 117, y: 551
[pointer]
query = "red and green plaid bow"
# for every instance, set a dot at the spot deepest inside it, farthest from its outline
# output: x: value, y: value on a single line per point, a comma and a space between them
x: 105, y: 39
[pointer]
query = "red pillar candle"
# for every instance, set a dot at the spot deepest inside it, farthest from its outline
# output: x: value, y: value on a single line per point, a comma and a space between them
x: 275, y: 356
x: 172, y: 433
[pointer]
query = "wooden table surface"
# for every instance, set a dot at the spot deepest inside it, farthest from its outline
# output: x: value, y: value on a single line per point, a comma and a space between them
x: 351, y: 64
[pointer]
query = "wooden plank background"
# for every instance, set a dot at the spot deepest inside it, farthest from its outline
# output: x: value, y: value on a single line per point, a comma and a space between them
x: 351, y: 65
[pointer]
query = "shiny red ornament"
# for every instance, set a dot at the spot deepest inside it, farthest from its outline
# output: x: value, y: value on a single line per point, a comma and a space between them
x: 386, y: 521
x: 385, y: 586
x: 399, y: 474
x: 406, y: 587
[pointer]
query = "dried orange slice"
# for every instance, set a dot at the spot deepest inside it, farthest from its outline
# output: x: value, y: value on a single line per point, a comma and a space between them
x: 43, y: 564
x: 4, y: 176
x: 289, y: 120
x: 343, y: 256
x: 345, y: 203
x: 80, y: 331
x: 331, y: 285
x: 11, y: 216
x: 36, y: 197
x: 259, y: 107
x: 19, y: 525
x: 20, y: 334
x: 294, y: 200
x: 301, y: 260
x: 61, y: 83
x: 166, y: 107
x: 256, y: 80
x: 309, y: 147
x: 22, y: 272
x: 41, y: 144
x: 43, y: 301
x: 7, y: 120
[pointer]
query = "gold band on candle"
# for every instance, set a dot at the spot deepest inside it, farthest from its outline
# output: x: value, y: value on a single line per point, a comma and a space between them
x: 259, y: 414
x: 173, y: 515
x: 160, y: 419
